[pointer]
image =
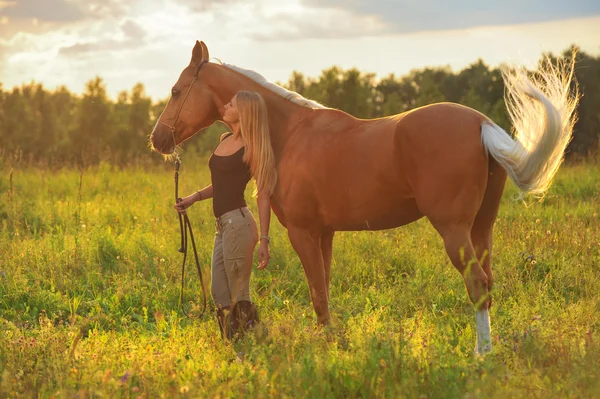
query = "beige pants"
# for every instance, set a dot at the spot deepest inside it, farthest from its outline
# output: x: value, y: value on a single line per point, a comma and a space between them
x: 235, y: 239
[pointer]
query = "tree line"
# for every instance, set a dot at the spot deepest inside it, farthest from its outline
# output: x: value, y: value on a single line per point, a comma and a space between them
x: 58, y: 127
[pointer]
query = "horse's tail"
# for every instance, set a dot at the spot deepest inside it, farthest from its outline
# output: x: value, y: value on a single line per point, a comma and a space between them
x: 542, y: 112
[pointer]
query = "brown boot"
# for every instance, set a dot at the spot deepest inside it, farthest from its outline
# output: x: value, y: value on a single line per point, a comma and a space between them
x: 224, y: 319
x: 244, y: 317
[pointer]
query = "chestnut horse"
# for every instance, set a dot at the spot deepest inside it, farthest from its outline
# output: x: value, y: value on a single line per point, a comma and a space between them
x: 444, y: 161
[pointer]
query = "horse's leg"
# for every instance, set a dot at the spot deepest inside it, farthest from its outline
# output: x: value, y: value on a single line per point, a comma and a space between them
x: 327, y: 251
x: 450, y: 189
x: 481, y: 236
x: 457, y: 239
x: 481, y: 233
x: 482, y: 242
x: 308, y: 247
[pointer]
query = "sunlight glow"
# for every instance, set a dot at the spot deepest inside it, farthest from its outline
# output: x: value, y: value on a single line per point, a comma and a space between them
x: 5, y: 4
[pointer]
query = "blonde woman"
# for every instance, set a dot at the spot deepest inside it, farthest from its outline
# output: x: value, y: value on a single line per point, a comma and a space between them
x: 241, y: 154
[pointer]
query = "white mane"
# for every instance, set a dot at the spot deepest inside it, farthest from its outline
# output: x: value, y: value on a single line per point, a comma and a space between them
x: 287, y: 94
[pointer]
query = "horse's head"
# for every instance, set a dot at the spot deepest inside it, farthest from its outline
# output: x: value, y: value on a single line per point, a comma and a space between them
x: 190, y: 108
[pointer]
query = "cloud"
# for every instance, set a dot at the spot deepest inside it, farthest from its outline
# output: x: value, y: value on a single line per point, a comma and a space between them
x: 45, y: 11
x: 206, y: 5
x: 39, y: 17
x: 430, y: 15
x: 324, y: 25
x: 133, y: 31
x: 277, y: 20
x: 63, y: 11
x: 132, y: 36
x: 100, y: 9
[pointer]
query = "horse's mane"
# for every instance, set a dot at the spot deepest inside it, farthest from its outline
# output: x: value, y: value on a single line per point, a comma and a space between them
x: 285, y: 93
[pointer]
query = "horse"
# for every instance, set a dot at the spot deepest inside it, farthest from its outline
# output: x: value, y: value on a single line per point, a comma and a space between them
x: 444, y: 161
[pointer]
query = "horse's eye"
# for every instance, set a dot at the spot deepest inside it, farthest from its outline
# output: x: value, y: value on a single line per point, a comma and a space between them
x: 174, y: 92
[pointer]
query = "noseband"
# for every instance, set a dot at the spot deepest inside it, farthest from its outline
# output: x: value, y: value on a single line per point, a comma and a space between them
x: 187, y: 93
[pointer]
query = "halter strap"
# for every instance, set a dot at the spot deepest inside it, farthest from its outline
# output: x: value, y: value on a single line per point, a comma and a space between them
x: 187, y: 93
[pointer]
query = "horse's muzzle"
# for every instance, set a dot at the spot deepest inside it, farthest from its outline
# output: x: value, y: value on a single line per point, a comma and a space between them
x: 162, y: 140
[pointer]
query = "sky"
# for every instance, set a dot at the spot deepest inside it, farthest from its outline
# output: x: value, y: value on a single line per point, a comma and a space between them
x: 69, y: 42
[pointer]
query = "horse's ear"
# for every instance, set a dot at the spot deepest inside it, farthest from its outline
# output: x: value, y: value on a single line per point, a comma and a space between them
x: 199, y: 53
x: 205, y: 55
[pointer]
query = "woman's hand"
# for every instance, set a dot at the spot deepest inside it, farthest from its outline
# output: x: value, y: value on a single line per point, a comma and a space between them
x: 185, y: 203
x: 263, y: 254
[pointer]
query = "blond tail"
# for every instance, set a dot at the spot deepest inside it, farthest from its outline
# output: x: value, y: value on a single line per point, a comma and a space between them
x: 542, y: 112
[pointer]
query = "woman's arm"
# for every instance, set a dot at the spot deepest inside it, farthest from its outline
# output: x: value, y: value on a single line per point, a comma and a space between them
x: 264, y: 216
x: 186, y: 202
x: 205, y: 193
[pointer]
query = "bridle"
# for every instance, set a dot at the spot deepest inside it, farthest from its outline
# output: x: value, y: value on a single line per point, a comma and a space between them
x: 187, y: 93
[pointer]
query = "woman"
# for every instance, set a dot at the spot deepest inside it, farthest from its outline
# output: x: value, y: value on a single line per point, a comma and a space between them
x: 244, y: 153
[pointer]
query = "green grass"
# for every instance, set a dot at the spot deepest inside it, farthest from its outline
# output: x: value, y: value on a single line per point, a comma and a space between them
x: 89, y: 287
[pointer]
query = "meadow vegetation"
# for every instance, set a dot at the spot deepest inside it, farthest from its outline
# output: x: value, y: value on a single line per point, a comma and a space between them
x: 89, y: 288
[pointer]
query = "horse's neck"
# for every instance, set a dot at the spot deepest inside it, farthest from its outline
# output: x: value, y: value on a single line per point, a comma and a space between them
x: 283, y: 114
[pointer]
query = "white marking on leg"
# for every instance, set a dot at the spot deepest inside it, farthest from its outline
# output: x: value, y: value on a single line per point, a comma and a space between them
x: 484, y: 340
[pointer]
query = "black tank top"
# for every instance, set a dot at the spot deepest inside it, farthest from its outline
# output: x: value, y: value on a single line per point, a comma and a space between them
x: 229, y: 176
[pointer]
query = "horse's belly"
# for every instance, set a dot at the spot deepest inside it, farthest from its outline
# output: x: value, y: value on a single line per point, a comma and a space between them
x: 376, y: 217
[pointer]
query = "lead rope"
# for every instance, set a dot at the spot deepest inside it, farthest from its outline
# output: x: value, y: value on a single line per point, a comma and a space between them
x: 185, y: 228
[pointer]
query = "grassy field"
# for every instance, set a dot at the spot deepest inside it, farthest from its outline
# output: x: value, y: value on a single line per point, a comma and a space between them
x: 89, y: 287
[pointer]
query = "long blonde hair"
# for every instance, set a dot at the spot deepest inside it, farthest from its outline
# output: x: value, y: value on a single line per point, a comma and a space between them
x: 254, y: 127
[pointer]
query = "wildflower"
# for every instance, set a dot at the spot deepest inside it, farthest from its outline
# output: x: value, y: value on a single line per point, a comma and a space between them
x: 184, y: 389
x: 125, y: 377
x: 83, y: 226
x: 162, y: 260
